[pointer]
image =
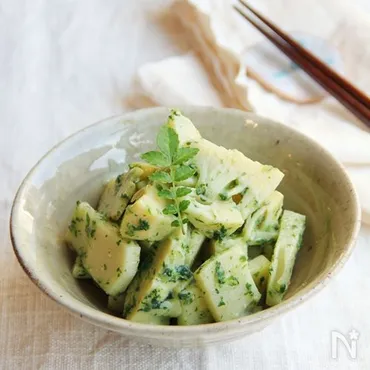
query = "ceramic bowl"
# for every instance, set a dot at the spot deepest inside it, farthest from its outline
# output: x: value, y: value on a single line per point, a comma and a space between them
x: 315, y: 184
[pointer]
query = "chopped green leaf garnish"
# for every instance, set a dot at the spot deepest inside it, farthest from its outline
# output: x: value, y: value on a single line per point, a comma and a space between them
x: 249, y: 289
x: 222, y: 196
x: 178, y: 273
x: 232, y: 184
x: 221, y: 303
x: 173, y: 114
x: 201, y: 189
x: 186, y: 297
x: 232, y: 281
x: 151, y: 301
x: 90, y: 227
x: 219, y: 273
x: 183, y: 272
x: 220, y: 234
x: 282, y: 288
x: 142, y: 225
x: 73, y: 228
x: 175, y: 223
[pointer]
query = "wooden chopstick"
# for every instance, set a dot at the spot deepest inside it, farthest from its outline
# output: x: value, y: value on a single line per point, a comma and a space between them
x: 312, y: 58
x: 352, y: 98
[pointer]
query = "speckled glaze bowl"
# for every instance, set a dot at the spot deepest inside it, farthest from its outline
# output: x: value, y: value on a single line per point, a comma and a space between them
x: 315, y: 184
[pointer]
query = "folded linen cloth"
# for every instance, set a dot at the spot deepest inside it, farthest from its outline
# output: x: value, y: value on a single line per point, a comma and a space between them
x: 224, y: 44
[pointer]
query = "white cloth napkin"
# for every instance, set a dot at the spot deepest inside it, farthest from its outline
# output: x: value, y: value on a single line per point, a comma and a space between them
x: 220, y: 39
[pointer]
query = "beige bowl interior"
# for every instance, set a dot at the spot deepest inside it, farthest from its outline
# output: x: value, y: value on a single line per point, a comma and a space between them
x: 314, y: 184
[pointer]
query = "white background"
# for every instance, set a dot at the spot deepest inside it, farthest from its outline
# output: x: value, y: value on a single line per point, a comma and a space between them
x: 63, y: 65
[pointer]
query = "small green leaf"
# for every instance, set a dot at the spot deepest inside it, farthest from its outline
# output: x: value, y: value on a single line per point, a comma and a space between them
x: 183, y: 172
x: 175, y: 223
x: 161, y: 176
x: 170, y: 210
x: 166, y: 194
x: 184, y: 154
x: 181, y: 192
x: 174, y: 141
x: 184, y: 204
x: 163, y: 141
x: 167, y: 141
x: 185, y: 221
x: 156, y: 159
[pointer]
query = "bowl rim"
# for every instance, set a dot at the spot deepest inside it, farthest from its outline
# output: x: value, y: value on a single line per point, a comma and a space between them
x: 115, y: 323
